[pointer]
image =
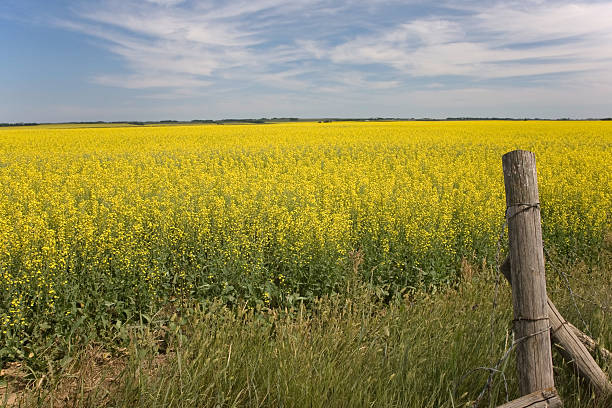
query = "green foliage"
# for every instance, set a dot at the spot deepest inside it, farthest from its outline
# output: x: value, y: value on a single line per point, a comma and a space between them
x: 343, y: 350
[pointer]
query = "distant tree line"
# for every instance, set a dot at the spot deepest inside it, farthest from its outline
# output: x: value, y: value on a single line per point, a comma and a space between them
x: 269, y: 120
x: 18, y: 124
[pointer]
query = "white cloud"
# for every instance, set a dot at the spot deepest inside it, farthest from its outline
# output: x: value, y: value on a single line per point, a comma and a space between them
x: 166, y: 2
x: 498, y: 42
x: 152, y: 81
x: 202, y: 41
x: 317, y: 47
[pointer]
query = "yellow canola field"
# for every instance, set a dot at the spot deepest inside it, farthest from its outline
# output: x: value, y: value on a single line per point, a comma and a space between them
x: 113, y: 222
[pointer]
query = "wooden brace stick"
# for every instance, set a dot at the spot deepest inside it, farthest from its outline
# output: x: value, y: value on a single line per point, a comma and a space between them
x: 573, y: 344
x: 539, y: 399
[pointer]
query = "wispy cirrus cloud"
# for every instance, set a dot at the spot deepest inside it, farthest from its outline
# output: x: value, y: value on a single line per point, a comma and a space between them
x: 243, y: 40
x: 494, y: 42
x: 166, y: 2
x: 348, y: 52
x: 204, y: 42
x: 151, y: 81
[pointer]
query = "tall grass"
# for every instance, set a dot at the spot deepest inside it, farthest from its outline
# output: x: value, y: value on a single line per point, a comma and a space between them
x: 347, y: 350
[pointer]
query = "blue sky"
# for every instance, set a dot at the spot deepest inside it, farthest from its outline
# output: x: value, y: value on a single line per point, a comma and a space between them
x: 208, y: 59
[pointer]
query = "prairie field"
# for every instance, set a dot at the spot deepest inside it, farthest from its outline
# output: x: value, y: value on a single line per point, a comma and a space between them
x: 107, y: 228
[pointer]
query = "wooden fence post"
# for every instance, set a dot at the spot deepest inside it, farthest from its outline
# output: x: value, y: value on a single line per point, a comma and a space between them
x: 531, y: 324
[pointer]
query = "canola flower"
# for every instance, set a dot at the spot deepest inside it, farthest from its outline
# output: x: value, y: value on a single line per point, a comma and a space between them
x: 117, y: 221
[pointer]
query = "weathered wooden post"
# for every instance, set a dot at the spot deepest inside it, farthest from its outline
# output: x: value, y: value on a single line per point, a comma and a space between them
x: 531, y: 323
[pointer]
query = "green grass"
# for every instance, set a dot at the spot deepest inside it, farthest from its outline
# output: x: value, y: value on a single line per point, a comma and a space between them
x: 346, y: 350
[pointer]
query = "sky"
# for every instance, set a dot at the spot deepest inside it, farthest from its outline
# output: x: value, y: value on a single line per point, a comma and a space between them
x: 115, y: 60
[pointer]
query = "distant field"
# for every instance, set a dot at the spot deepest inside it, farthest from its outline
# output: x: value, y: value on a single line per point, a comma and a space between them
x: 136, y: 124
x: 105, y: 226
x: 94, y: 125
x: 68, y: 126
